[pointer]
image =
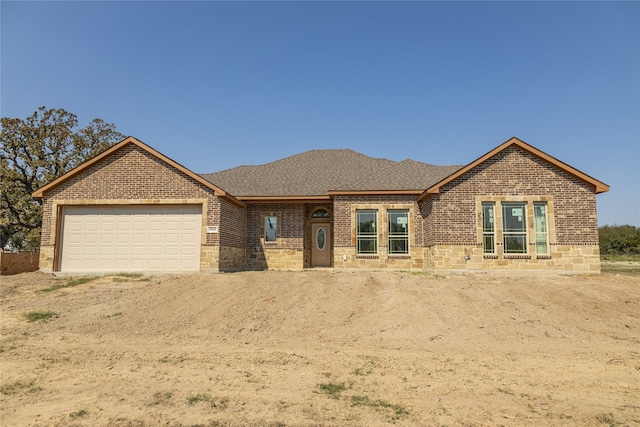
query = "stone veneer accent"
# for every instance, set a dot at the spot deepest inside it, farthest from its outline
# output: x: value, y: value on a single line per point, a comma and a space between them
x: 453, y: 216
x: 444, y: 228
x: 46, y: 258
x: 345, y: 232
x: 275, y: 259
x: 346, y: 258
x: 222, y: 258
x: 287, y: 252
x: 568, y: 258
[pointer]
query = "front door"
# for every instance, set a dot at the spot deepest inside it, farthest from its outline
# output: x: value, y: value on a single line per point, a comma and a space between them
x: 321, y: 244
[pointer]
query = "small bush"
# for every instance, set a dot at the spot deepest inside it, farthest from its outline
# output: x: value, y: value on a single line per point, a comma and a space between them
x: 80, y: 413
x: 192, y: 400
x: 39, y: 315
x: 74, y: 281
x: 366, y: 401
x: 220, y: 404
x: 161, y: 398
x: 332, y: 389
x: 607, y: 419
x: 19, y: 386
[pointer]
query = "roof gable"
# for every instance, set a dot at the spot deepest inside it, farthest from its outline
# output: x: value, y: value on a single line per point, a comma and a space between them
x: 598, y: 187
x: 39, y: 193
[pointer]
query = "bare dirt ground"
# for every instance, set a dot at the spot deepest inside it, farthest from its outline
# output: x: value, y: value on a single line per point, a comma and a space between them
x: 321, y: 348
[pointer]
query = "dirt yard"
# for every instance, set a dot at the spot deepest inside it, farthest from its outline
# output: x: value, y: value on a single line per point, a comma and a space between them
x: 321, y: 348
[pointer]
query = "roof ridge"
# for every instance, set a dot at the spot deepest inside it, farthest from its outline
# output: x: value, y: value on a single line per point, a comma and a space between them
x: 362, y: 178
x: 313, y: 150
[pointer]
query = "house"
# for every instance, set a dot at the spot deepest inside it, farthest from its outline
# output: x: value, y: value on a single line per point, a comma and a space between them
x: 133, y: 209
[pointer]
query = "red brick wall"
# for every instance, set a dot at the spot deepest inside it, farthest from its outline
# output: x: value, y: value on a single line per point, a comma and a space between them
x: 232, y: 222
x: 291, y: 226
x: 132, y: 173
x: 450, y: 216
x: 342, y: 216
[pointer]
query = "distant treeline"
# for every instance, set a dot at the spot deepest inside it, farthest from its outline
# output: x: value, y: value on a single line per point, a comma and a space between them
x: 619, y: 240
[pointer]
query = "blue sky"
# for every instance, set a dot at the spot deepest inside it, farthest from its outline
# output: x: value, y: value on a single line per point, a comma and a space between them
x: 214, y: 85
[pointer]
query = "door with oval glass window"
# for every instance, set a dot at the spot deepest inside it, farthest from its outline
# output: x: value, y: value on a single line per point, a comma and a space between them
x: 320, y: 245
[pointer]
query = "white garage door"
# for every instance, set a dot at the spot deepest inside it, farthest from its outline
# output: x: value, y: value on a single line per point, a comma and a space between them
x: 130, y: 238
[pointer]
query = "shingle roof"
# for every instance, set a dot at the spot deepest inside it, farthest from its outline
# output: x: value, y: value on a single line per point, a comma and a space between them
x: 402, y: 176
x: 316, y: 172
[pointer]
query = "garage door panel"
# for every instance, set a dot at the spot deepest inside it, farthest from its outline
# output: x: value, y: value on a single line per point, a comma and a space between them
x: 140, y: 225
x: 138, y: 264
x: 155, y: 251
x: 139, y: 237
x: 138, y: 251
x: 122, y: 238
x: 171, y: 264
x: 90, y: 250
x: 155, y: 237
x: 156, y: 226
x: 130, y: 238
x: 91, y: 226
x: 188, y: 236
x: 107, y: 238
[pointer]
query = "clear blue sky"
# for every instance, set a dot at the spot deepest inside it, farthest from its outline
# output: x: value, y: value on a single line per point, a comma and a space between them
x: 214, y: 85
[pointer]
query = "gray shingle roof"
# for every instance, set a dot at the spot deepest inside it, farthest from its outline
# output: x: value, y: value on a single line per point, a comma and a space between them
x: 316, y: 172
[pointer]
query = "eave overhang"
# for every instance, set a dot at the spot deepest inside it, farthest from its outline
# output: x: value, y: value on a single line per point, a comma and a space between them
x: 40, y: 193
x: 598, y: 186
x: 282, y: 199
x: 373, y: 192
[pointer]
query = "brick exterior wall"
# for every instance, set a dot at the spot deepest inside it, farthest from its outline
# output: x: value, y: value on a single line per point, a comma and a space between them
x: 444, y: 229
x: 345, y: 256
x: 288, y: 250
x: 453, y: 219
x: 450, y: 216
x: 342, y: 206
x: 131, y: 175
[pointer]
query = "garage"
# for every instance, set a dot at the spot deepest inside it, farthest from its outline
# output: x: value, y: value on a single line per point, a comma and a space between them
x: 152, y: 238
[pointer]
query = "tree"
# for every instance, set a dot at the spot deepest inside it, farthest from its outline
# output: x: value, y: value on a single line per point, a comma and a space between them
x: 35, y: 151
x: 619, y: 240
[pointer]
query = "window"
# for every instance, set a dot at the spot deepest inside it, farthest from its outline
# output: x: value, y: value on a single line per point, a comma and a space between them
x: 366, y: 237
x: 270, y: 228
x: 398, y: 231
x: 540, y: 219
x: 321, y: 213
x: 514, y: 227
x: 488, y: 228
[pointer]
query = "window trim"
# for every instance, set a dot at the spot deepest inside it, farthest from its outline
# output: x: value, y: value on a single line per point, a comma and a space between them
x: 529, y: 202
x: 317, y: 214
x: 395, y: 235
x: 536, y: 232
x: 369, y: 235
x: 507, y: 233
x: 263, y: 228
x: 489, y: 233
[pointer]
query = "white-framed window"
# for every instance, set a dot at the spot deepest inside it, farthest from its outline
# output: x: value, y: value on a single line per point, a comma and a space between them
x: 514, y: 227
x: 540, y: 221
x: 366, y: 234
x: 270, y: 229
x: 398, y: 222
x: 488, y: 228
